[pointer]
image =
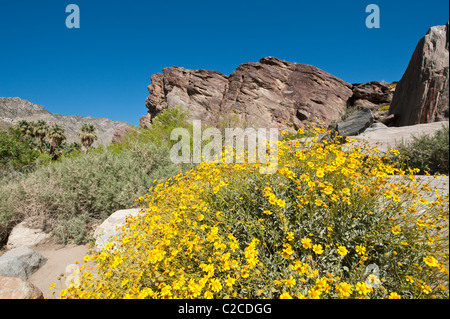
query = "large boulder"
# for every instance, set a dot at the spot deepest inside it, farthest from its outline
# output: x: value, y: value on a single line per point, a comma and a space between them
x: 356, y: 123
x: 20, y: 262
x: 268, y: 93
x: 111, y: 226
x: 24, y: 236
x: 17, y: 288
x: 422, y: 94
x: 272, y: 92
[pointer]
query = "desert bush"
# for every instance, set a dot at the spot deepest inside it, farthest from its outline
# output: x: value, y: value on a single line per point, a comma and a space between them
x: 427, y: 152
x: 158, y: 133
x: 328, y: 224
x: 93, y: 186
x: 78, y: 190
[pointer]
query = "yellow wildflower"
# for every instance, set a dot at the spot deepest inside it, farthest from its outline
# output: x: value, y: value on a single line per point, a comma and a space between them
x: 360, y: 249
x: 431, y: 261
x: 396, y: 230
x: 285, y: 295
x: 317, y: 249
x: 362, y: 288
x: 394, y: 295
x: 306, y: 242
x: 342, y: 250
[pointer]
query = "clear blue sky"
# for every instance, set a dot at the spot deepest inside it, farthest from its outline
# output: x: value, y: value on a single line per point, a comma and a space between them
x: 103, y: 68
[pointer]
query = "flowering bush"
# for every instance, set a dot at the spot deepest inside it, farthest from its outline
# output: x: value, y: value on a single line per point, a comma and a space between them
x: 328, y: 224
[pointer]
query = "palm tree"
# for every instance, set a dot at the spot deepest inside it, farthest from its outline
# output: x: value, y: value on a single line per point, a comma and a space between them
x: 57, y: 135
x: 25, y: 128
x: 40, y: 131
x: 87, y: 135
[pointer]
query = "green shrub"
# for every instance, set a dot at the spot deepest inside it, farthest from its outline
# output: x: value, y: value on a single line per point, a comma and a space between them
x: 429, y: 153
x: 79, y: 190
x: 15, y: 152
x: 158, y: 133
x: 93, y: 186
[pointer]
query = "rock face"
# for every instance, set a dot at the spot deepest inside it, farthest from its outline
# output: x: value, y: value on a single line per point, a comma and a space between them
x: 372, y: 94
x: 17, y: 288
x: 422, y: 95
x: 199, y: 91
x: 14, y: 109
x: 267, y: 93
x: 145, y: 120
x: 20, y: 262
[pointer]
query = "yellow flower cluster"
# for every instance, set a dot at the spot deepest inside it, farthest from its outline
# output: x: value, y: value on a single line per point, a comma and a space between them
x: 310, y: 230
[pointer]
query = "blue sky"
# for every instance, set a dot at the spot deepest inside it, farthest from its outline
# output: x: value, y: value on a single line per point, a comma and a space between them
x: 103, y: 68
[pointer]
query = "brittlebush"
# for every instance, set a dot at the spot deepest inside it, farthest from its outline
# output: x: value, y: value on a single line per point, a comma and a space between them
x: 328, y: 224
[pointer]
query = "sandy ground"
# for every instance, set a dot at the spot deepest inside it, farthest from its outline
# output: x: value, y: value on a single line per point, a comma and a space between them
x: 58, y: 258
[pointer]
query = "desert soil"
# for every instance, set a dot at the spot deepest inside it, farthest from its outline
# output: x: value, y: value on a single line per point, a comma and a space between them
x: 58, y: 258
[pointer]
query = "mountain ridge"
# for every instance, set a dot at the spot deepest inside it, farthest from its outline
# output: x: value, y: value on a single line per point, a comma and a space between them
x: 15, y: 109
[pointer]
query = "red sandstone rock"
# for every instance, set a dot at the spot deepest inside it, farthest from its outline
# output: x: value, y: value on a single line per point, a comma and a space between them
x: 268, y: 93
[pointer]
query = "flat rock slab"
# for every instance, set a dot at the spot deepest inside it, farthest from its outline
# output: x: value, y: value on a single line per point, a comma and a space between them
x: 20, y: 262
x: 391, y: 137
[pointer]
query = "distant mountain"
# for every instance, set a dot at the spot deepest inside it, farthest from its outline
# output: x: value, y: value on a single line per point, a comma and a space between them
x: 14, y: 109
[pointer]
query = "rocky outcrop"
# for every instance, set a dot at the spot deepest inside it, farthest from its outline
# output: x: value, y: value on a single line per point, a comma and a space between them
x: 14, y: 109
x: 199, y: 91
x: 17, y: 288
x: 372, y: 94
x: 119, y: 134
x: 268, y: 93
x: 422, y: 94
